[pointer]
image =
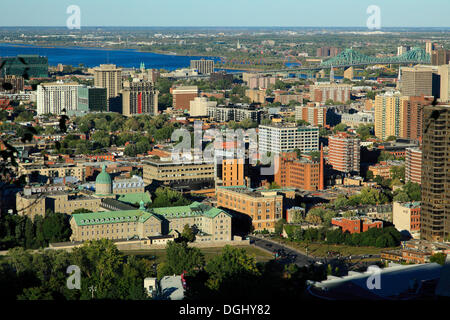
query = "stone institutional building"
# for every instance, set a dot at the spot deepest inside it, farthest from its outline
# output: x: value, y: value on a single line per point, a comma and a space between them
x: 213, y: 224
x: 264, y: 207
x: 32, y: 204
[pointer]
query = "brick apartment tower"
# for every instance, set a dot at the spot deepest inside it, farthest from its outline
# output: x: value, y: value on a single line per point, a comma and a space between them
x: 297, y: 173
x: 344, y: 152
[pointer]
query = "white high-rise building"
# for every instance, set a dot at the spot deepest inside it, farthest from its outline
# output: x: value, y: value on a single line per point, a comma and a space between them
x: 278, y: 138
x: 57, y: 96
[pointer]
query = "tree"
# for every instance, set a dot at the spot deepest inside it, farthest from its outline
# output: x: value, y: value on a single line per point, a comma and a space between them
x: 302, y: 123
x: 100, y: 263
x: 230, y: 269
x: 413, y: 190
x: 398, y: 172
x: 370, y: 95
x: 369, y: 175
x: 364, y: 131
x: 279, y: 226
x: 341, y: 127
x: 274, y: 185
x: 391, y: 138
x: 166, y: 197
x: 313, y: 218
x: 298, y: 152
x: 188, y: 233
x: 56, y: 227
x: 438, y: 258
x: 180, y: 258
x: 401, y: 197
x: 35, y: 293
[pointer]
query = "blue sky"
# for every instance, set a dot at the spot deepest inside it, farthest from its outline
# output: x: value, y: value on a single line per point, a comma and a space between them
x: 340, y: 13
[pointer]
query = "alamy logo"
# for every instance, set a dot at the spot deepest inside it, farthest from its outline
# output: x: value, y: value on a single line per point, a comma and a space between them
x: 73, y: 21
x: 374, y: 280
x: 74, y: 280
x: 374, y: 20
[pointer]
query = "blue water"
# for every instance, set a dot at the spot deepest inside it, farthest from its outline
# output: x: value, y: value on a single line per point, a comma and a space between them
x: 91, y: 57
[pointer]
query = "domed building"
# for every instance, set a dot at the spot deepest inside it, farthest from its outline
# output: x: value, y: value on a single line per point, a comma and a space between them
x: 103, y: 183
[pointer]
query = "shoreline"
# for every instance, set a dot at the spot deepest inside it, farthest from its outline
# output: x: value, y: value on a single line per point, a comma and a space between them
x: 164, y: 53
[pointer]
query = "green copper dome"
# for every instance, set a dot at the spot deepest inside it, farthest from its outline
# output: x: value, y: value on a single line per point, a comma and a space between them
x: 103, y: 177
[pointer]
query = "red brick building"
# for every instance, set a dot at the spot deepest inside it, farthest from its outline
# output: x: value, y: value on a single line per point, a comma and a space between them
x: 413, y: 165
x: 344, y: 152
x: 182, y: 97
x: 298, y: 173
x: 412, y: 116
x: 356, y: 225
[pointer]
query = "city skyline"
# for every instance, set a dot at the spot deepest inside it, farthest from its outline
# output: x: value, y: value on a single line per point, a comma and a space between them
x: 320, y: 13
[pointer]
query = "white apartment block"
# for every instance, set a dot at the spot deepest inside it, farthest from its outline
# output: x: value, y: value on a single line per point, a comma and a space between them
x: 199, y: 106
x: 56, y: 96
x: 278, y: 138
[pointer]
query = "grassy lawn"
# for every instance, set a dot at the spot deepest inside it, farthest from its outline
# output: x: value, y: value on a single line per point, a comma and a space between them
x: 320, y: 250
x: 160, y: 254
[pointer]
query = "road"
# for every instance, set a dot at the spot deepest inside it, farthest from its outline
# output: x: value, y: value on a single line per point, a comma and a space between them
x: 294, y: 256
x: 300, y: 259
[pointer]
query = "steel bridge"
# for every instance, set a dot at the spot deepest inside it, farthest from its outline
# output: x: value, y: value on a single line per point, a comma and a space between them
x: 350, y: 57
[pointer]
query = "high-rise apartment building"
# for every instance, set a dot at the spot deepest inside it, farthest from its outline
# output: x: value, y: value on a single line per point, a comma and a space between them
x: 298, y: 173
x: 429, y: 47
x: 182, y: 96
x: 256, y: 95
x: 321, y: 92
x: 91, y: 99
x: 110, y: 77
x: 233, y: 172
x: 327, y: 52
x: 411, y: 116
x: 57, y: 97
x: 402, y: 49
x: 387, y: 115
x: 435, y: 213
x: 440, y: 57
x: 314, y: 115
x: 260, y: 81
x: 203, y: 66
x: 399, y: 116
x: 16, y: 84
x: 413, y: 165
x: 153, y: 75
x: 419, y: 80
x: 344, y: 152
x: 278, y: 137
x: 444, y: 73
x: 139, y: 98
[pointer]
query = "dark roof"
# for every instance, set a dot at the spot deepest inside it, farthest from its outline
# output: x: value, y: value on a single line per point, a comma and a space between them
x: 118, y: 205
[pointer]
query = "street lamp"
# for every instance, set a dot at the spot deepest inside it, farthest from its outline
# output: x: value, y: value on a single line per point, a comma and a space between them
x: 92, y: 289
